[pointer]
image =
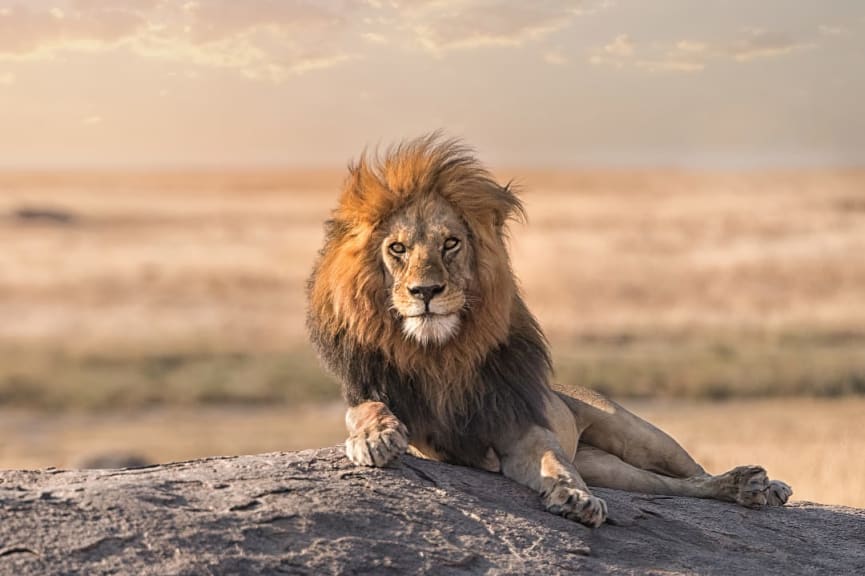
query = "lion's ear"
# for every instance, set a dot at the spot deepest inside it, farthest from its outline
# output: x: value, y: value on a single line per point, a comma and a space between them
x: 508, y: 206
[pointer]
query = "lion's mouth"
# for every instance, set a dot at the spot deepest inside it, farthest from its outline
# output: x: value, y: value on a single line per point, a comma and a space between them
x: 430, y: 315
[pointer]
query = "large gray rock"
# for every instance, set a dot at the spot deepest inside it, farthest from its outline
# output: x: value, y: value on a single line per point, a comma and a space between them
x: 312, y: 512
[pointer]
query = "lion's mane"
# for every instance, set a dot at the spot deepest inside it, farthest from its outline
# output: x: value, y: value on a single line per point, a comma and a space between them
x: 490, y: 378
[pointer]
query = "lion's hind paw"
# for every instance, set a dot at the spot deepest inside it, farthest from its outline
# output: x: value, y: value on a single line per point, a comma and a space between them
x: 777, y: 493
x: 575, y: 504
x: 378, y: 443
x: 751, y: 482
x: 749, y: 486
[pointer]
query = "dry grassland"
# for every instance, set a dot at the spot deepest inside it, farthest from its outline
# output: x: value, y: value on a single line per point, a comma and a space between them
x: 163, y: 313
x: 189, y: 288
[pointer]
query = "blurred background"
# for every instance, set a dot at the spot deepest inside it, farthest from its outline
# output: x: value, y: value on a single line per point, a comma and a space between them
x: 694, y: 175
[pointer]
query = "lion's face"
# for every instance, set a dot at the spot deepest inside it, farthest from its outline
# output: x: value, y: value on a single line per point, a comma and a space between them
x: 427, y: 255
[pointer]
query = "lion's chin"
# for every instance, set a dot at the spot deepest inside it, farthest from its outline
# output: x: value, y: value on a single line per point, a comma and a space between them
x: 431, y: 328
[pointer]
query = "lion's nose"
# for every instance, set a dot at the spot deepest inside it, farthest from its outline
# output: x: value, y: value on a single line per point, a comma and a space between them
x: 426, y: 293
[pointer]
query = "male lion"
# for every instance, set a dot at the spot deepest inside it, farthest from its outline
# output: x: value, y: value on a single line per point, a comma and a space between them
x: 413, y: 305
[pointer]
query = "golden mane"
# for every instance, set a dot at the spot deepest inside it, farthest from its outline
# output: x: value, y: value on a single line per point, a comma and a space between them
x: 348, y: 299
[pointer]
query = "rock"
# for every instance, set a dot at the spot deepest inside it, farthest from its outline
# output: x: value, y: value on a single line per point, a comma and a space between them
x: 313, y: 512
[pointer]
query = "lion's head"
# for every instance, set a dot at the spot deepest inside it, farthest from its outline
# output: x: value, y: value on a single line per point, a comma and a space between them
x: 427, y: 256
x: 415, y: 260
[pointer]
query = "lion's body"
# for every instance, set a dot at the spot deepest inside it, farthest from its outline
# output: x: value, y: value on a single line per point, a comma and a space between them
x: 492, y: 377
x: 413, y: 305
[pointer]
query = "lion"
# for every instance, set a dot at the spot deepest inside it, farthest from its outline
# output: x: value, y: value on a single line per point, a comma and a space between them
x: 414, y: 307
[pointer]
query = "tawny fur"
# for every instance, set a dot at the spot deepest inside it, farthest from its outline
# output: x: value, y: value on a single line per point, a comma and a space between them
x: 463, y: 376
x: 348, y: 295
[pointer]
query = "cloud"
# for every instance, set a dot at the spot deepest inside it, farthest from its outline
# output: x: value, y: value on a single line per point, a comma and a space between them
x: 92, y: 120
x: 684, y: 57
x: 375, y: 38
x: 688, y: 47
x: 689, y: 56
x: 827, y: 30
x: 617, y: 53
x: 755, y: 43
x: 555, y: 57
x: 593, y: 7
x: 273, y: 39
x: 441, y: 26
x: 670, y: 64
x: 258, y: 38
x: 621, y: 47
x: 33, y: 32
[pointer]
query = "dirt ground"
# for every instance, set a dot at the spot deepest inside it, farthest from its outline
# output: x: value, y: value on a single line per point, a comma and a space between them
x: 129, y: 290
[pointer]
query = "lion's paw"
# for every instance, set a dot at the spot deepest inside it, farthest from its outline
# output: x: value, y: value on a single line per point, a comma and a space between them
x: 745, y: 485
x: 378, y: 443
x: 777, y: 493
x: 750, y: 484
x: 750, y: 487
x: 575, y: 504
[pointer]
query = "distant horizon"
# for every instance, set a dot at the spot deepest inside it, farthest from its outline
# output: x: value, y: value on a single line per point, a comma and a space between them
x: 217, y: 167
x: 489, y: 158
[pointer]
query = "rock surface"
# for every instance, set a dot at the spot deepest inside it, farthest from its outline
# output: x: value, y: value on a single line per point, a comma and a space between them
x: 312, y: 512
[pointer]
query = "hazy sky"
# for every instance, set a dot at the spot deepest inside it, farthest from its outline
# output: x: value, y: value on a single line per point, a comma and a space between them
x: 546, y: 83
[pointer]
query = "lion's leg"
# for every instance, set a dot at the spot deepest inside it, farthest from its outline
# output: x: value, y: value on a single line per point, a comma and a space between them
x: 375, y: 435
x: 615, y: 430
x: 537, y: 461
x: 745, y: 485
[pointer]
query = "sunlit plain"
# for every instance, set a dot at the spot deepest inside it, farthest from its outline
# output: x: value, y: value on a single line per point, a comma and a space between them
x: 162, y: 313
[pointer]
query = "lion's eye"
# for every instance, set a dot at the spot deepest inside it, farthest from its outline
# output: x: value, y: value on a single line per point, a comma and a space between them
x: 397, y: 248
x: 451, y: 243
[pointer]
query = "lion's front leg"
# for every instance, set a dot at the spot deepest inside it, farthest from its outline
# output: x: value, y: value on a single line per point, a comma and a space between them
x: 537, y: 461
x: 375, y: 435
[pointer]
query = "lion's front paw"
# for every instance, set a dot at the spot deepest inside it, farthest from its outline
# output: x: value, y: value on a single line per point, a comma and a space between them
x: 777, y: 493
x: 575, y: 504
x: 377, y: 443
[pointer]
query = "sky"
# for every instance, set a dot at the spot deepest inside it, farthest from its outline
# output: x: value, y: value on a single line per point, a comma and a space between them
x: 306, y: 83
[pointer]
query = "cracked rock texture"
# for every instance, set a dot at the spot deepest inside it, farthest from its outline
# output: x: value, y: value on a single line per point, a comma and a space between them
x: 313, y: 512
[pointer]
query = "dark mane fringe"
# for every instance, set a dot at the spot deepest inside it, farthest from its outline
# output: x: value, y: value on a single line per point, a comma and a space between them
x: 493, y: 375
